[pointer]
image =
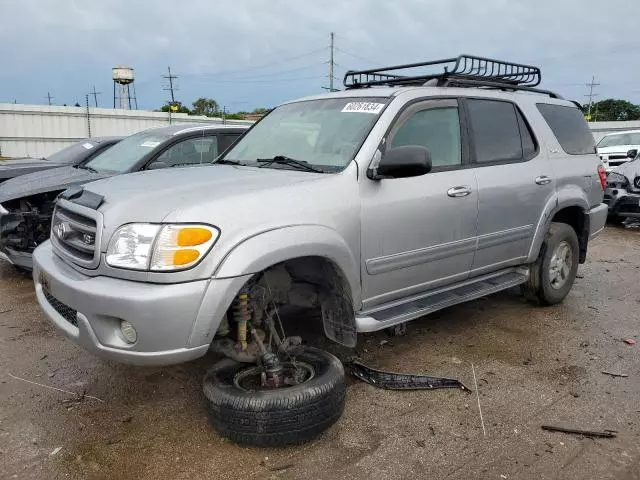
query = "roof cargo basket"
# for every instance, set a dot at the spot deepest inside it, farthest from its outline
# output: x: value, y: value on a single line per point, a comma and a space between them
x: 462, y: 71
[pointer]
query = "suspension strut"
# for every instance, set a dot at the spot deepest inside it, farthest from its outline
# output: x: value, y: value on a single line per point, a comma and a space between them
x: 242, y: 314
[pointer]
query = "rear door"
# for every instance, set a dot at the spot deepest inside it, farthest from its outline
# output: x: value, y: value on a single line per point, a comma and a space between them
x: 515, y: 181
x: 573, y: 159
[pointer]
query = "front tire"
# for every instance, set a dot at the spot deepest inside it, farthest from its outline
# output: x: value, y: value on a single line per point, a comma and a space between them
x: 279, y: 416
x: 553, y: 273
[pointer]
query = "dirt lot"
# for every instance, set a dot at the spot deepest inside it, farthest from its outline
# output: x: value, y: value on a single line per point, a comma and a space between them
x: 534, y: 366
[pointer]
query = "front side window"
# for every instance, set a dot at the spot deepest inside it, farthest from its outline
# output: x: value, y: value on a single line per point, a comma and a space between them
x: 569, y: 127
x: 192, y: 151
x: 437, y: 129
x: 124, y: 155
x: 496, y: 133
x: 325, y: 133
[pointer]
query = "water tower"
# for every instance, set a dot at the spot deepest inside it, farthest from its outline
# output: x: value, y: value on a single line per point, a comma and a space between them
x: 123, y: 87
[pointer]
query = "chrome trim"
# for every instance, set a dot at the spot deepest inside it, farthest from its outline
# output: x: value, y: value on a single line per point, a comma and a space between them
x: 88, y: 213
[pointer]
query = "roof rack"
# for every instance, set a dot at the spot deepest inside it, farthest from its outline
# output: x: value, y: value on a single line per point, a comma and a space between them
x: 461, y: 71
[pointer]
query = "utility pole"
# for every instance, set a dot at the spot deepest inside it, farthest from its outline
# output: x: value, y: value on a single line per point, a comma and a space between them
x: 95, y: 95
x: 171, y: 87
x: 591, y: 94
x: 49, y: 97
x: 331, y: 63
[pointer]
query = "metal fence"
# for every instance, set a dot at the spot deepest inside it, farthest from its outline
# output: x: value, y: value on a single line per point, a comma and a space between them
x: 40, y: 130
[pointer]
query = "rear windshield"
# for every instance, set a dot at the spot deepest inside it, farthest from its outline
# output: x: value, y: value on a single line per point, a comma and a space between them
x: 569, y: 127
x: 632, y: 138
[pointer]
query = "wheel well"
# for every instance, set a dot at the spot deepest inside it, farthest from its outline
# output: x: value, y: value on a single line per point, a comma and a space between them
x: 575, y: 217
x: 312, y: 282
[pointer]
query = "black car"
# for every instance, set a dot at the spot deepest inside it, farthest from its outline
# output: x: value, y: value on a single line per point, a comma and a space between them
x: 26, y: 202
x: 75, y: 154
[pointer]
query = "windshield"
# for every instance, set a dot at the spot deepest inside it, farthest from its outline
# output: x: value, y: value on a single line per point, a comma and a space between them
x: 125, y: 154
x: 324, y: 133
x: 620, y: 139
x: 73, y: 154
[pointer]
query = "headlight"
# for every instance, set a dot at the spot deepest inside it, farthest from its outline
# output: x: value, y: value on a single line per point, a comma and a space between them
x: 616, y: 178
x: 145, y: 246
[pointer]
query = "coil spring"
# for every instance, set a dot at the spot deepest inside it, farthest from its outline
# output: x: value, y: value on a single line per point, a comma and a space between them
x: 242, y: 314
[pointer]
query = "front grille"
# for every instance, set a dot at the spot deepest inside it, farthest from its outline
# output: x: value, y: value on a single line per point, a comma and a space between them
x: 74, y: 235
x: 68, y: 313
x: 616, y: 163
x: 617, y: 157
x: 628, y: 205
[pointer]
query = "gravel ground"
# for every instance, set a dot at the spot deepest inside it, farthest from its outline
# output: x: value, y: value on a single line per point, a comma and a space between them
x: 534, y: 366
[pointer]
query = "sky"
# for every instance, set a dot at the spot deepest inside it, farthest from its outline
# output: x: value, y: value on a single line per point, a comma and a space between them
x: 249, y: 53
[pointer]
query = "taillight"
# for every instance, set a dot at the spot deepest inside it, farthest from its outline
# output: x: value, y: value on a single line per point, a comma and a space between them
x: 602, y: 173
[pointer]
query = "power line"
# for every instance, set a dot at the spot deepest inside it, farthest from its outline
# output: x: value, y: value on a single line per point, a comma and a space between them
x: 367, y: 60
x: 262, y: 75
x: 171, y: 88
x: 258, y: 67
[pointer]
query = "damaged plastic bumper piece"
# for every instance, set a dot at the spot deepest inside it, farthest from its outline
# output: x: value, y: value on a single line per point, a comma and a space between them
x: 399, y: 381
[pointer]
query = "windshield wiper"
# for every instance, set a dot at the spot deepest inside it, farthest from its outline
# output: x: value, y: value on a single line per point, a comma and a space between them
x: 85, y: 167
x: 283, y: 160
x: 228, y: 162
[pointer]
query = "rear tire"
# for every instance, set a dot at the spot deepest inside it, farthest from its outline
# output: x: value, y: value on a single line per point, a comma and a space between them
x: 553, y: 273
x: 281, y: 416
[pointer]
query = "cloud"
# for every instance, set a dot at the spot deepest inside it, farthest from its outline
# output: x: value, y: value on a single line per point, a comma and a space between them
x: 65, y: 46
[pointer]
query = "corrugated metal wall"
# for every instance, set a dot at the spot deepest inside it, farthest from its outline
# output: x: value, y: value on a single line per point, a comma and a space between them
x: 40, y: 130
x: 600, y: 129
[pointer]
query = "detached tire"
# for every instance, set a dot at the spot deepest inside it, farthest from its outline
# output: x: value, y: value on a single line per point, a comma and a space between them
x: 282, y: 416
x: 553, y: 273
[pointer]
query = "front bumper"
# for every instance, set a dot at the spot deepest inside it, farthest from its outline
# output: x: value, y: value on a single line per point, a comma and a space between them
x: 174, y: 322
x: 8, y: 224
x: 622, y: 203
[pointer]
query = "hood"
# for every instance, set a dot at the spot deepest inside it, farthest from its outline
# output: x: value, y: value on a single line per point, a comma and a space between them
x: 20, y: 166
x: 151, y: 196
x: 630, y: 169
x: 46, y: 181
x: 617, y: 149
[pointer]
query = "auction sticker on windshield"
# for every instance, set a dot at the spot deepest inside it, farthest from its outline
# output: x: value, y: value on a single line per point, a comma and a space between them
x: 363, y: 107
x: 88, y: 146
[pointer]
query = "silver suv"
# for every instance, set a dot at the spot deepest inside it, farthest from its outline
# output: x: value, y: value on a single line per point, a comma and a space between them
x: 397, y: 197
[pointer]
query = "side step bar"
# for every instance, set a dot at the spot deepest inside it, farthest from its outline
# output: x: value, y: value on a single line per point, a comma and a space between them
x: 400, y: 311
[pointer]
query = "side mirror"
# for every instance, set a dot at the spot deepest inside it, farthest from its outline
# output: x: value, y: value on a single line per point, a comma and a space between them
x: 157, y: 165
x: 403, y: 162
x: 633, y: 153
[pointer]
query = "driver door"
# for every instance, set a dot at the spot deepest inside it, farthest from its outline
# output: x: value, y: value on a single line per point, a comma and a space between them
x: 419, y: 233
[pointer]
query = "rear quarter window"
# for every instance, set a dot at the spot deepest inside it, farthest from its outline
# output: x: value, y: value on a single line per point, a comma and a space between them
x: 569, y: 127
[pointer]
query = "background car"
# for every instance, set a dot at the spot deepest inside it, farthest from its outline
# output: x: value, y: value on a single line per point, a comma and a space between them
x: 613, y: 148
x: 26, y: 202
x: 75, y: 154
x: 623, y: 191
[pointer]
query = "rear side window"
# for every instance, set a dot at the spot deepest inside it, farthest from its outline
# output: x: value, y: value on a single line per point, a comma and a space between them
x: 500, y: 134
x: 569, y: 127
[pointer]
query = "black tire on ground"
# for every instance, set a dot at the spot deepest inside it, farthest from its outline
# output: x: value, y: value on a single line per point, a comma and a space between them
x: 616, y: 219
x: 281, y: 416
x: 539, y: 284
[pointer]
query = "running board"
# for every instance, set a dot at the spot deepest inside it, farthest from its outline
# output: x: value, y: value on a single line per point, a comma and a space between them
x: 400, y: 311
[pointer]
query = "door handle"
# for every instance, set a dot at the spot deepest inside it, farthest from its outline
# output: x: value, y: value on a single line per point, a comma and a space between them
x: 461, y: 191
x: 543, y: 180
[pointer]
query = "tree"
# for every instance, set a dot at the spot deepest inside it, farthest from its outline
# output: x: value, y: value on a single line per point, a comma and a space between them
x: 611, y: 110
x: 260, y: 111
x: 180, y: 108
x: 205, y: 106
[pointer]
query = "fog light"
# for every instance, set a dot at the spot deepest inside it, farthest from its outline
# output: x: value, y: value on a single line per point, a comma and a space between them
x: 128, y: 332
